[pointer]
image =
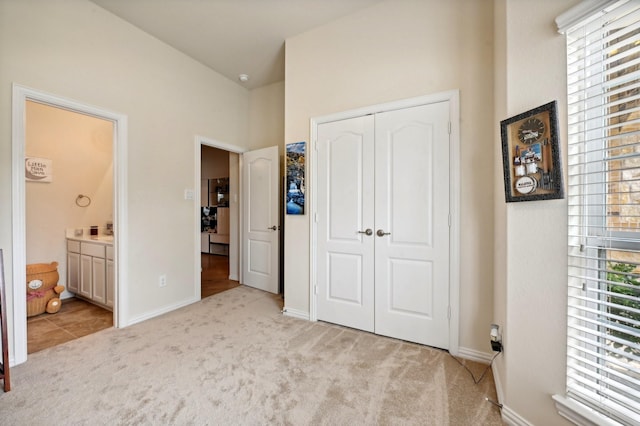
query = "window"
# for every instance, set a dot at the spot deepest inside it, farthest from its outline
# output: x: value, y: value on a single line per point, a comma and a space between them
x: 603, y: 76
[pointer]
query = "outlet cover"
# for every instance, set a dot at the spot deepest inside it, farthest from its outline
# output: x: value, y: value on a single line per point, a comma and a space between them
x: 162, y: 281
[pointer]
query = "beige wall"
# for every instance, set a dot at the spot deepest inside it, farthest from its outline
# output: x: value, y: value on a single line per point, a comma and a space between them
x: 80, y: 148
x: 74, y: 49
x: 531, y: 293
x: 391, y: 51
x: 266, y: 116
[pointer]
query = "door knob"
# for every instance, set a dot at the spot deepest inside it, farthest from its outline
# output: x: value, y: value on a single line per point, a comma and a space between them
x: 273, y: 228
x: 368, y: 231
x: 381, y: 233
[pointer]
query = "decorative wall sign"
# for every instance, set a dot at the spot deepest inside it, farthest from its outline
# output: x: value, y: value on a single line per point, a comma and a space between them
x: 295, y: 178
x: 38, y: 169
x: 531, y: 155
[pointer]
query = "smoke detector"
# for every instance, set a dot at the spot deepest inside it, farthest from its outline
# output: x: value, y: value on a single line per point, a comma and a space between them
x: 243, y: 77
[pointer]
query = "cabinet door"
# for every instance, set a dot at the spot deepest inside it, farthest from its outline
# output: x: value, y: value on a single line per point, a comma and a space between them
x: 204, y: 192
x: 110, y: 283
x: 223, y: 220
x: 73, y: 272
x: 85, y: 276
x: 204, y: 242
x: 99, y: 280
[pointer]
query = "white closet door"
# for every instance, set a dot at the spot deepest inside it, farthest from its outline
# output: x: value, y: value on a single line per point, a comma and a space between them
x: 412, y: 216
x: 345, y: 210
x: 388, y: 173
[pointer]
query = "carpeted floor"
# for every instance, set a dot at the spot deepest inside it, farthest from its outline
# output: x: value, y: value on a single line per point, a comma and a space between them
x: 234, y: 359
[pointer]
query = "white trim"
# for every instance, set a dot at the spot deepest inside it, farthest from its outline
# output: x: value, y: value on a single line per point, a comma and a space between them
x: 164, y: 310
x: 220, y: 145
x: 295, y: 313
x: 197, y: 169
x: 473, y: 355
x: 453, y: 97
x: 120, y: 310
x: 498, y: 382
x: 512, y: 418
x: 580, y: 414
x: 578, y: 13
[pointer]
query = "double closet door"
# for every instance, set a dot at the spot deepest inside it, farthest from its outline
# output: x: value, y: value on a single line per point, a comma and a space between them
x: 383, y: 223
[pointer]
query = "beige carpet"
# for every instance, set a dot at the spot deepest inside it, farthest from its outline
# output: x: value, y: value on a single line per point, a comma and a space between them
x: 234, y: 359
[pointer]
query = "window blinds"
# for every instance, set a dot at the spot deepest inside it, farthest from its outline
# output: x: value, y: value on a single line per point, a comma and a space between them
x: 603, y: 76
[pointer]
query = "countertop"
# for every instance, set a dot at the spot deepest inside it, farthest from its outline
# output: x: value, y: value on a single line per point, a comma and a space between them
x: 86, y: 236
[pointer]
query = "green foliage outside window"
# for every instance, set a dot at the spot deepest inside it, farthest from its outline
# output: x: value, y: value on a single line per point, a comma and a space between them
x: 623, y: 273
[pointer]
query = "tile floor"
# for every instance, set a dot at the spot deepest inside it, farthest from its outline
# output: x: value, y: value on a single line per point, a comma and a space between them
x: 76, y: 318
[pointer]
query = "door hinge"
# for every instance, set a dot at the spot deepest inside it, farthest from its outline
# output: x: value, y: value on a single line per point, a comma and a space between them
x: 315, y: 289
x: 449, y: 128
x: 449, y: 312
x: 449, y: 220
x: 315, y: 217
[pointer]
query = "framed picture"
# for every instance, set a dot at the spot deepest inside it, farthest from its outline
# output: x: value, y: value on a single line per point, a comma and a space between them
x: 295, y: 189
x: 531, y: 155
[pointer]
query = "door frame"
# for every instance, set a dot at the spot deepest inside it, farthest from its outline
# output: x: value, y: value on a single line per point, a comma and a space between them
x: 453, y: 97
x: 200, y: 141
x: 21, y: 95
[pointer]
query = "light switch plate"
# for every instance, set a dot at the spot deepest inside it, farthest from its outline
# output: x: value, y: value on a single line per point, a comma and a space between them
x: 188, y: 194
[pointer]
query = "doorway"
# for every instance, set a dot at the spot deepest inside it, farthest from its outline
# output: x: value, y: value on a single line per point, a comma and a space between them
x: 21, y: 95
x: 385, y: 256
x: 254, y: 215
x: 217, y: 187
x: 60, y: 209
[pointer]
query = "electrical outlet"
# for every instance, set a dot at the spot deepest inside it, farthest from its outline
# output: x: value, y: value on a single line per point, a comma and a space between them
x: 162, y: 281
x: 496, y: 338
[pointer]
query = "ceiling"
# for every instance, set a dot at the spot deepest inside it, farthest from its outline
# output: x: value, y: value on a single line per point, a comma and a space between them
x: 232, y: 36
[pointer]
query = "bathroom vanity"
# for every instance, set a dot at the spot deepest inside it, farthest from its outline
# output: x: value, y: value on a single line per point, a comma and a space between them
x: 90, y: 268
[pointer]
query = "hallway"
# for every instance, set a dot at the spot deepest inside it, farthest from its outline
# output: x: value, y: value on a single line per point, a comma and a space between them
x: 215, y: 275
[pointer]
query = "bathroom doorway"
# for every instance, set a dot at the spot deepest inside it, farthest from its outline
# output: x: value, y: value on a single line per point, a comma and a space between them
x: 118, y: 270
x: 72, y: 193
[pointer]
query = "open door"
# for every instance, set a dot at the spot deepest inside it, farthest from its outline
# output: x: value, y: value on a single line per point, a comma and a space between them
x: 261, y: 227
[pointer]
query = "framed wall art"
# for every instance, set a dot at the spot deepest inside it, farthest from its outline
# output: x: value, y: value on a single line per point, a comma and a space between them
x: 531, y: 155
x: 295, y: 178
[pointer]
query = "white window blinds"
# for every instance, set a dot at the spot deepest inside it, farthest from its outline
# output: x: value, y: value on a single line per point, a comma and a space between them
x: 603, y: 75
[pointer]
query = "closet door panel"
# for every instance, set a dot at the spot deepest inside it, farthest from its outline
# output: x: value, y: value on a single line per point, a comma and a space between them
x: 345, y: 211
x: 412, y: 211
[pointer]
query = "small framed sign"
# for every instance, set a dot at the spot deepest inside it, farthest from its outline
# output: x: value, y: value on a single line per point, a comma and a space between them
x: 531, y: 155
x: 38, y: 169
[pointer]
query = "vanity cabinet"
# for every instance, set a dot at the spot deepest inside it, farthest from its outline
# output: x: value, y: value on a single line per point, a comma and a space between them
x: 110, y: 277
x: 89, y: 274
x: 73, y: 266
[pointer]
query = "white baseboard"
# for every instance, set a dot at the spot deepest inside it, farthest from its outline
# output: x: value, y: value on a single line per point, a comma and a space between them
x: 295, y: 313
x: 509, y: 416
x: 512, y: 418
x: 234, y: 277
x: 499, y: 389
x: 161, y: 311
x: 473, y: 355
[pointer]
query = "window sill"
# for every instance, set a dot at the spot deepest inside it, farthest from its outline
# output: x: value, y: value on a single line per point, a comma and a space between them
x: 580, y: 414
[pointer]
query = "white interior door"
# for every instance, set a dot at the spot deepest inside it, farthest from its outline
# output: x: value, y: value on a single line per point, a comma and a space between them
x: 261, y: 201
x: 345, y: 211
x: 412, y: 231
x: 387, y: 173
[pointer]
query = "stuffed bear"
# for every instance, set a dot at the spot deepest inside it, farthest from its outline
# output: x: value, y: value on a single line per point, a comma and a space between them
x: 43, y: 290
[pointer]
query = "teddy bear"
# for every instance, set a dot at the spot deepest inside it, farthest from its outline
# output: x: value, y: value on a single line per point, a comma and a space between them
x: 43, y: 291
